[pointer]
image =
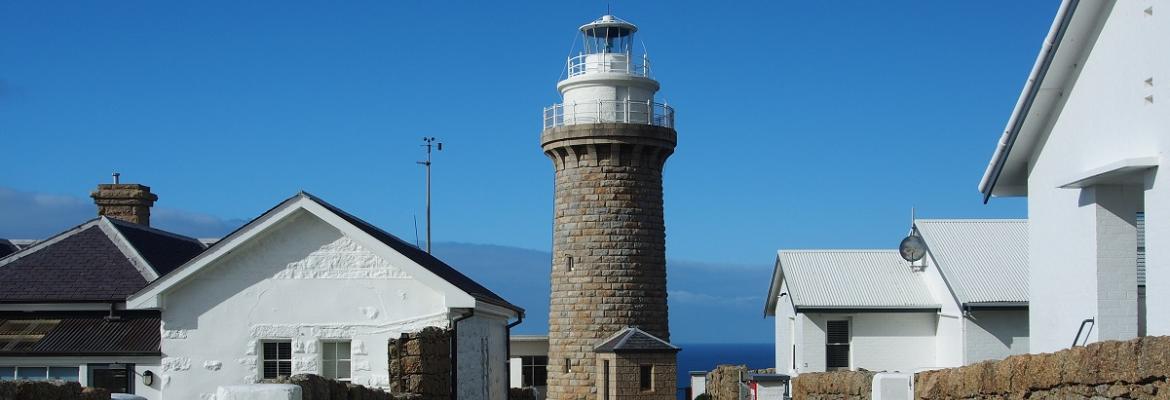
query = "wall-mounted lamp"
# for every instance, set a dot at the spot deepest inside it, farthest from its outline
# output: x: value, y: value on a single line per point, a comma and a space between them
x: 148, y: 378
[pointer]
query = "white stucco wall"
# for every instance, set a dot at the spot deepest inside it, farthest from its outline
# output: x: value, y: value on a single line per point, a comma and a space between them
x: 995, y: 334
x: 303, y: 280
x: 482, y: 372
x: 949, y: 324
x: 785, y: 321
x: 880, y: 341
x: 1106, y: 118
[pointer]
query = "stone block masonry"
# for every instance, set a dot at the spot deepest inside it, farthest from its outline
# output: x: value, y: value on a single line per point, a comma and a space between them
x: 609, y: 244
x: 420, y: 363
x: 1134, y: 369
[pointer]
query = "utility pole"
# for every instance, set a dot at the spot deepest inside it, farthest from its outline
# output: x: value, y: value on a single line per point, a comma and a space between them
x: 429, y: 142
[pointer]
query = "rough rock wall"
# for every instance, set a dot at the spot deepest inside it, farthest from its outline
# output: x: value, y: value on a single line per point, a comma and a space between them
x: 314, y: 387
x: 723, y: 382
x: 609, y: 254
x: 30, y: 390
x: 421, y: 363
x: 837, y: 385
x: 1136, y: 369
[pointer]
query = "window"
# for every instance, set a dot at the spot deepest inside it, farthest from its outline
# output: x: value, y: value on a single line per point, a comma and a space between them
x: 68, y: 374
x: 116, y: 378
x: 605, y: 382
x: 1140, y: 222
x: 335, y: 360
x: 837, y: 346
x: 277, y: 359
x: 535, y: 370
x: 646, y: 378
x: 568, y: 366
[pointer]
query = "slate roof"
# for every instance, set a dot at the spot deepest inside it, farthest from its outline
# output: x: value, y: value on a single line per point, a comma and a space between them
x: 7, y: 247
x: 983, y: 260
x: 634, y: 340
x: 846, y: 279
x: 164, y: 251
x: 85, y: 264
x: 92, y: 334
x: 426, y: 260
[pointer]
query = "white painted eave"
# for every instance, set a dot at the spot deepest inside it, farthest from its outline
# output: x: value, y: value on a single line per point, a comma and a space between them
x: 1062, y: 56
x: 1130, y: 170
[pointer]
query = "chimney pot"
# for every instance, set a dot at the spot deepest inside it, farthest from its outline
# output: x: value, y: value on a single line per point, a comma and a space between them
x: 129, y: 202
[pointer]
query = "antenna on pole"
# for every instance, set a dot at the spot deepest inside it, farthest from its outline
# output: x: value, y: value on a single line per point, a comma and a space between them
x: 416, y: 231
x: 429, y: 142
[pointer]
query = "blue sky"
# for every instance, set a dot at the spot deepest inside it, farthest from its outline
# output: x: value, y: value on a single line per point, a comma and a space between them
x: 811, y: 124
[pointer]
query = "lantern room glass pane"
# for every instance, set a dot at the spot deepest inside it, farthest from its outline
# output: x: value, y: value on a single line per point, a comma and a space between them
x: 608, y: 39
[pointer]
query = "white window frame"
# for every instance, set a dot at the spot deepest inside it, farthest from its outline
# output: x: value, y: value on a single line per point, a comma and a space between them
x: 348, y: 359
x: 264, y: 358
x: 48, y: 371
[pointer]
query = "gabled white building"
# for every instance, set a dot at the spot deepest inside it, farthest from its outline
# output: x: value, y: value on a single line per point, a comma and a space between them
x: 1084, y: 144
x: 965, y: 302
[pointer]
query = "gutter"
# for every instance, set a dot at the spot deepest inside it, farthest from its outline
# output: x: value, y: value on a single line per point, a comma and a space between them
x: 508, y: 347
x: 1024, y: 105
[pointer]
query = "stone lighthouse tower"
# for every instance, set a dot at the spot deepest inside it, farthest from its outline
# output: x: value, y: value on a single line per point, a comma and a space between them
x: 609, y: 140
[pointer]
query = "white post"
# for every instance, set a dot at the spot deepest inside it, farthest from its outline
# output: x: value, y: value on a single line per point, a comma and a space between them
x: 599, y: 110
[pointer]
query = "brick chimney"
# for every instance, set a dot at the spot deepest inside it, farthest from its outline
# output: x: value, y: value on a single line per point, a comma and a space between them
x: 125, y: 201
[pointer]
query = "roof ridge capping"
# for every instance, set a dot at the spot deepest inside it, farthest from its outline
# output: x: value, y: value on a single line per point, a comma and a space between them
x: 972, y: 220
x: 131, y: 225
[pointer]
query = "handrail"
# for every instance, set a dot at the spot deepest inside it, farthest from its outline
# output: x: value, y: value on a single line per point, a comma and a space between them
x: 1078, y: 338
x: 602, y: 111
x: 607, y: 62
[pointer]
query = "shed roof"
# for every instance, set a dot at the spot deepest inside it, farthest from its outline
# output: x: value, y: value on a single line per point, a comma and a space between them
x: 849, y: 279
x: 52, y: 335
x: 634, y: 340
x: 983, y: 260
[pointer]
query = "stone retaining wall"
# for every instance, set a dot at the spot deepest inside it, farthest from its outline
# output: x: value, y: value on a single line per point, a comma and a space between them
x: 56, y: 390
x: 833, y: 385
x: 1136, y: 369
x: 420, y: 363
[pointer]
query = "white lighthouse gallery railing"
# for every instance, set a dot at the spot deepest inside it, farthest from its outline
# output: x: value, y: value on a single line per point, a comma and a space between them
x: 607, y: 62
x: 624, y: 111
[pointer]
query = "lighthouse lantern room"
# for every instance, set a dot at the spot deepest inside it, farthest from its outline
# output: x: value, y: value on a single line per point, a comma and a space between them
x: 606, y: 82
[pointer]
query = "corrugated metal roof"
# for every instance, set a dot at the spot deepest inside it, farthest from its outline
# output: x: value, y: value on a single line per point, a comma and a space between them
x: 132, y: 335
x: 852, y: 279
x: 983, y: 260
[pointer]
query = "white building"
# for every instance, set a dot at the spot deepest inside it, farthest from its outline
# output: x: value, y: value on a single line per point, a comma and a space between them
x: 1084, y: 144
x: 966, y: 301
x: 304, y: 288
x: 528, y: 363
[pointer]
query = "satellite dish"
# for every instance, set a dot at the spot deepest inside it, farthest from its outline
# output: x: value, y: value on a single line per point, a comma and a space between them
x: 913, y: 248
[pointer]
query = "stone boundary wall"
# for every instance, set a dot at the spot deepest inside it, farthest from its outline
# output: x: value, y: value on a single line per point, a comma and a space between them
x: 420, y: 363
x: 723, y: 382
x: 55, y: 390
x: 1136, y: 369
x: 837, y: 385
x: 315, y: 387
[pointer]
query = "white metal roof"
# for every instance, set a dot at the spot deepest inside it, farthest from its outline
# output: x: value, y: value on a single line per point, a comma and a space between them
x: 983, y: 260
x: 828, y: 279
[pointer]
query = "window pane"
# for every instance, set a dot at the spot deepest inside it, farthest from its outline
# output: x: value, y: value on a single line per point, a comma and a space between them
x: 646, y: 377
x: 342, y: 350
x: 284, y: 368
x: 328, y: 351
x: 68, y: 374
x: 838, y: 332
x: 329, y: 369
x: 837, y: 356
x: 284, y: 350
x: 270, y: 371
x: 343, y: 370
x: 269, y: 350
x: 7, y: 373
x: 32, y: 373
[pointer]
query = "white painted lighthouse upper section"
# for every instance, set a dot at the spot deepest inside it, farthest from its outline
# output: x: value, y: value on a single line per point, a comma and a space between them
x: 606, y: 82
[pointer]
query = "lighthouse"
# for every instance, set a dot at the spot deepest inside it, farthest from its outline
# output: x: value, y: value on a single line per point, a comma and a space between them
x: 609, y: 139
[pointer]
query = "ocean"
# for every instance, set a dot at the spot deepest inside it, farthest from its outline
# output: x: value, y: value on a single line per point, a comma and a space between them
x: 705, y: 356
